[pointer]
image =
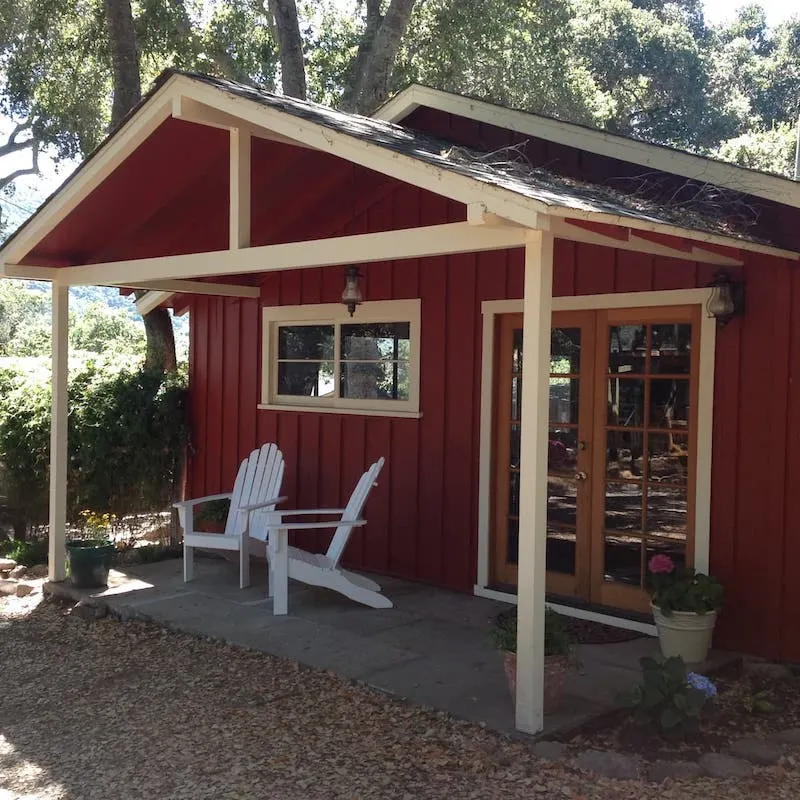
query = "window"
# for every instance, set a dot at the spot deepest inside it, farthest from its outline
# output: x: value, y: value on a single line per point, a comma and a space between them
x: 319, y: 358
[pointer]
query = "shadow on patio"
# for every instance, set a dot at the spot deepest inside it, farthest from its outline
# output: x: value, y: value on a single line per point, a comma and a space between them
x: 433, y: 648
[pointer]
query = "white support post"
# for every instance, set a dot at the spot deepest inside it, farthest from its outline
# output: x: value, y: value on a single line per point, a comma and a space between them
x: 58, y: 434
x: 240, y: 189
x: 533, y: 481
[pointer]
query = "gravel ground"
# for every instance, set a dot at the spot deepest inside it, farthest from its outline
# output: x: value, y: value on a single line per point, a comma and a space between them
x: 103, y: 709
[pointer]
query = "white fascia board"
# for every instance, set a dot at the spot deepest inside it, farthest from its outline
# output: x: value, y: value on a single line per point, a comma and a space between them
x: 652, y: 156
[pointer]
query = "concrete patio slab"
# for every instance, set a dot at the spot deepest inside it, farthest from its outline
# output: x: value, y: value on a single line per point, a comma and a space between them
x: 433, y: 648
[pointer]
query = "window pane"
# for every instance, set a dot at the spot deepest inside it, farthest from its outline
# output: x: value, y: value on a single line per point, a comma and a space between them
x: 376, y: 341
x: 564, y: 400
x: 623, y: 560
x: 627, y: 348
x: 314, y: 342
x: 565, y: 350
x: 671, y: 352
x: 669, y: 404
x: 624, y: 455
x: 668, y: 458
x: 562, y: 450
x: 305, y: 378
x: 667, y: 511
x: 623, y: 507
x: 377, y: 380
x: 625, y: 402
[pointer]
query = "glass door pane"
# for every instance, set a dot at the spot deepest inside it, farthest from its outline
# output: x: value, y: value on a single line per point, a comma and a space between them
x: 647, y: 384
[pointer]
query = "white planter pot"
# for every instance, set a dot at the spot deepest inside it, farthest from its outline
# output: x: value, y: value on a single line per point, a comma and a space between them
x: 685, y: 634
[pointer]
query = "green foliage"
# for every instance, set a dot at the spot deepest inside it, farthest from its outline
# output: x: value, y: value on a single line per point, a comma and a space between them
x: 769, y: 151
x: 23, y: 320
x: 665, y: 698
x: 683, y: 589
x: 557, y: 640
x: 127, y: 435
x: 100, y: 329
x: 24, y: 552
x: 758, y: 702
x: 150, y: 553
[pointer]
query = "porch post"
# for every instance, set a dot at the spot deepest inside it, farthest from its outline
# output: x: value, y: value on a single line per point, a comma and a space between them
x: 533, y: 481
x: 58, y: 434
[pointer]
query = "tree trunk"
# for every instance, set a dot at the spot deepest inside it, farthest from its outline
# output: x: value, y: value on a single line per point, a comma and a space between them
x: 290, y: 47
x: 160, y: 337
x: 124, y: 59
x: 376, y: 56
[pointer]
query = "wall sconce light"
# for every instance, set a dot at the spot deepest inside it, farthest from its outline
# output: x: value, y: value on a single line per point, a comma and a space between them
x: 351, y: 296
x: 727, y: 298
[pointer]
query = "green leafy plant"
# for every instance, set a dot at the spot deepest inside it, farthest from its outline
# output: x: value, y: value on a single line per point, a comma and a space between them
x: 24, y: 552
x: 669, y: 697
x: 557, y: 639
x: 151, y: 553
x: 682, y: 589
x: 758, y: 702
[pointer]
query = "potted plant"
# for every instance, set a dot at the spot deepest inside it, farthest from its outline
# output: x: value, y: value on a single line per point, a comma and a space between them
x: 558, y: 651
x: 685, y: 605
x: 89, y: 558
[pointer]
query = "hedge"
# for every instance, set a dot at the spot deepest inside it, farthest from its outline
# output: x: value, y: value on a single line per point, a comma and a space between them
x: 128, y: 430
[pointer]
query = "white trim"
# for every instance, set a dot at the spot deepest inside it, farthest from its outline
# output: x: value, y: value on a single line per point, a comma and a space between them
x: 430, y: 240
x: 239, y: 189
x: 705, y: 405
x: 595, y: 141
x: 358, y: 412
x: 336, y: 314
x: 198, y: 287
x: 151, y: 300
x: 570, y: 611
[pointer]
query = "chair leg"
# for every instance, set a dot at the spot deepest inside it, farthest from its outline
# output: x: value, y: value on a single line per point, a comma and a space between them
x: 244, y: 562
x: 188, y: 563
x: 361, y: 581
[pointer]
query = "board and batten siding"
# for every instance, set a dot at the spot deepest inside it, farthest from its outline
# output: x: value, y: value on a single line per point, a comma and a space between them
x: 423, y: 515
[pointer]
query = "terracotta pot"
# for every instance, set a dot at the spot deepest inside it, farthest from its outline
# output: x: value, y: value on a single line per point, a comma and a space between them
x: 555, y: 672
x: 685, y: 634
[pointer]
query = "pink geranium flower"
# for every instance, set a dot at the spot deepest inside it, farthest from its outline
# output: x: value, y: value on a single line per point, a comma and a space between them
x: 661, y: 565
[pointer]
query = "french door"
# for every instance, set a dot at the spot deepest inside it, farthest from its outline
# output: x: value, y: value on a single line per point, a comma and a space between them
x: 621, y: 451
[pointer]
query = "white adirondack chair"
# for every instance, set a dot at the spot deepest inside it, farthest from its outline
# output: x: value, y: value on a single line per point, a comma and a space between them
x: 255, y: 492
x: 316, y: 569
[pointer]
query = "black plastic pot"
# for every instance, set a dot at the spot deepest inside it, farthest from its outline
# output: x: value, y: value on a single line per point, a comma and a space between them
x: 89, y: 562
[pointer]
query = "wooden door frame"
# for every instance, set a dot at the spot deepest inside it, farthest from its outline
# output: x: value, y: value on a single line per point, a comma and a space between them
x: 490, y: 309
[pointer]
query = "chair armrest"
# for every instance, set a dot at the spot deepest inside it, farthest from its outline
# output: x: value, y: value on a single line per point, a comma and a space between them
x: 255, y: 506
x: 309, y: 511
x: 310, y: 526
x: 197, y: 500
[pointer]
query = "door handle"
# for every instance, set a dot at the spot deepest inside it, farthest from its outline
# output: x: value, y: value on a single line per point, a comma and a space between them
x: 581, y: 476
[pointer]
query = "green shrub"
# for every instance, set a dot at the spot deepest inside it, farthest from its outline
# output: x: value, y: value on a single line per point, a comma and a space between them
x: 669, y: 697
x: 557, y: 640
x: 27, y: 553
x: 127, y: 438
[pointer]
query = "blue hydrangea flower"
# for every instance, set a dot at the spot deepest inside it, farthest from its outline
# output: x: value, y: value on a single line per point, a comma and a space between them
x: 702, y: 684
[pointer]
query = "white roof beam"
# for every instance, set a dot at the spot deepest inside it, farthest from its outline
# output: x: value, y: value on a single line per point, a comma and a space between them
x: 151, y: 300
x: 435, y: 240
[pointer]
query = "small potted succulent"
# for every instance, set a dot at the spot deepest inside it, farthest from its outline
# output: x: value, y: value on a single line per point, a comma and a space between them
x: 558, y: 654
x: 89, y: 558
x: 685, y: 605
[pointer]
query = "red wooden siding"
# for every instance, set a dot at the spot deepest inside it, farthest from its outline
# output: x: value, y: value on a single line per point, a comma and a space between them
x: 423, y: 516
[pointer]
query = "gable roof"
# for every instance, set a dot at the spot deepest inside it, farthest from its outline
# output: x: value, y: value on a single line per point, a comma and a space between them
x: 594, y: 140
x: 513, y: 191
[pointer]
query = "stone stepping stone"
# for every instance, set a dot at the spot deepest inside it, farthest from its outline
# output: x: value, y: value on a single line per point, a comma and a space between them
x: 720, y: 765
x: 791, y: 736
x: 550, y: 751
x: 7, y: 564
x: 609, y: 764
x: 757, y: 751
x: 659, y: 771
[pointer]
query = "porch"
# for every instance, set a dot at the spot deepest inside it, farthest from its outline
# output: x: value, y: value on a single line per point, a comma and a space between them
x: 433, y: 648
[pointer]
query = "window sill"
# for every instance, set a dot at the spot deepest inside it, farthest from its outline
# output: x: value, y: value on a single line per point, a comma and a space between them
x: 360, y: 412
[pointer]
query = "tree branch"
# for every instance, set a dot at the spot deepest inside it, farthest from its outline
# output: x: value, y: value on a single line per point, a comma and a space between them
x: 373, y: 68
x: 290, y: 47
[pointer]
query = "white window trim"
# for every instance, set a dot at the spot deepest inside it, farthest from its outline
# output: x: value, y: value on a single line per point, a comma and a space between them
x: 705, y: 415
x: 336, y: 314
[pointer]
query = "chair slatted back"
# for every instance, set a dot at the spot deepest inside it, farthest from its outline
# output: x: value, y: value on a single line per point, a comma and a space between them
x: 353, y: 510
x: 259, y: 478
